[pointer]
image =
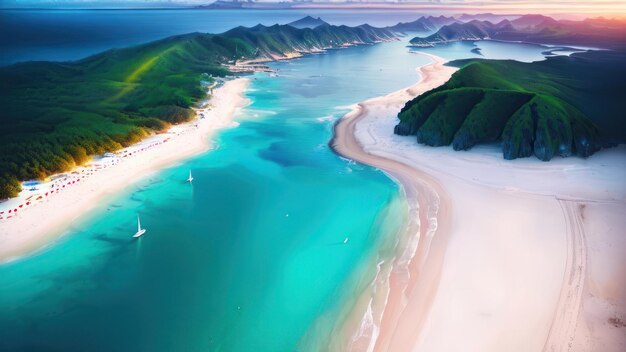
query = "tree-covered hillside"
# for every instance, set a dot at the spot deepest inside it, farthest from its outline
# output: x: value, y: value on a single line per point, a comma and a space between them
x: 56, y: 115
x: 558, y: 107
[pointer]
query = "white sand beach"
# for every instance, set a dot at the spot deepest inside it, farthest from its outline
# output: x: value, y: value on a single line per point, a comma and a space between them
x: 44, y: 212
x: 516, y: 255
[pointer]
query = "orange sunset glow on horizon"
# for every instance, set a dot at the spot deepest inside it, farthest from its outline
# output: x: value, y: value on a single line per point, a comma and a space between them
x: 560, y: 9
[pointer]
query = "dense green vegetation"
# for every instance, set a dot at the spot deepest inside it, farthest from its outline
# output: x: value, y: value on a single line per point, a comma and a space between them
x: 562, y: 106
x: 56, y: 115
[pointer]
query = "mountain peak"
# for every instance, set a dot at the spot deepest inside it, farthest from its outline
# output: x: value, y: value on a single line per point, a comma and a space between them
x: 307, y: 22
x: 532, y: 20
x: 424, y: 24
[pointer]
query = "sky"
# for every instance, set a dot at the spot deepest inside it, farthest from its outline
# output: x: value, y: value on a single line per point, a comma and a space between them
x: 613, y: 8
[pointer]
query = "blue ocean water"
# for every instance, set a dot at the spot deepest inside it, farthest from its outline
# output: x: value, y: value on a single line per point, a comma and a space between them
x: 250, y: 257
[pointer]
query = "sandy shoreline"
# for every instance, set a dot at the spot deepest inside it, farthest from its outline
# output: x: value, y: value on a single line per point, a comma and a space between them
x: 511, y: 255
x: 43, y: 221
x: 424, y: 254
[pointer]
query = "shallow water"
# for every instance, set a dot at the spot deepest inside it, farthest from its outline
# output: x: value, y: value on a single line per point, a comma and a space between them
x: 248, y: 257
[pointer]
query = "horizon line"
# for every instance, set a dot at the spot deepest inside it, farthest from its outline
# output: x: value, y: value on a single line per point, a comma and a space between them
x: 610, y: 8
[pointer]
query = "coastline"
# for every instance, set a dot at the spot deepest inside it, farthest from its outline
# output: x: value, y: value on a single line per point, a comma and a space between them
x: 520, y: 255
x: 258, y: 64
x: 415, y: 270
x: 45, y: 220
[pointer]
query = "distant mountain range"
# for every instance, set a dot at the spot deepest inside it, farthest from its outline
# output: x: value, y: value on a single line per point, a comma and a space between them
x: 424, y: 24
x: 307, y: 22
x: 473, y: 30
x: 598, y: 32
x: 226, y: 4
x: 491, y: 17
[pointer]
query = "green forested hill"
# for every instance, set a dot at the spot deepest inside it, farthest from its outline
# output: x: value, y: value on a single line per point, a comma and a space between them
x: 55, y: 115
x: 561, y: 106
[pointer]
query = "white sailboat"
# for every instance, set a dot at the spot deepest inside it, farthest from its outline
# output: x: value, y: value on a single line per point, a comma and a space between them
x: 190, y: 178
x: 140, y: 231
x: 345, y: 240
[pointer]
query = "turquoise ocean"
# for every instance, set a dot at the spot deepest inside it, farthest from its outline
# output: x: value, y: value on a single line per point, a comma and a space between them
x: 250, y: 257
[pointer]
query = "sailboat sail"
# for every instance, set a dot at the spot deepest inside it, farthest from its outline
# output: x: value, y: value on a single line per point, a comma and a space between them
x: 139, y: 230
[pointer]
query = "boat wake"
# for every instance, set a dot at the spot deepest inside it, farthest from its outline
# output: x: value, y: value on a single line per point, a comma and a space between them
x: 326, y: 118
